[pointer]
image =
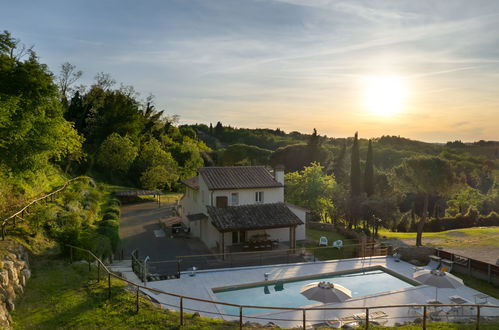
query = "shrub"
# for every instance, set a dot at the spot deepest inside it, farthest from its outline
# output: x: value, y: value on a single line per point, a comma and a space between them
x: 114, y: 202
x: 99, y: 244
x: 111, y: 216
x: 109, y: 223
x: 113, y: 209
x: 112, y: 233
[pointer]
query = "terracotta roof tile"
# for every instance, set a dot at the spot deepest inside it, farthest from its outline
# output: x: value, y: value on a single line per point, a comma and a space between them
x: 238, y: 177
x: 254, y: 216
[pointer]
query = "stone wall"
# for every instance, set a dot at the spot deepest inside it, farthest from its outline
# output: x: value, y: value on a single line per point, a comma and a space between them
x: 411, y: 253
x: 14, y: 273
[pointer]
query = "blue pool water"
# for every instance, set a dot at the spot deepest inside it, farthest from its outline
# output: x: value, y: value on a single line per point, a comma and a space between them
x: 360, y: 283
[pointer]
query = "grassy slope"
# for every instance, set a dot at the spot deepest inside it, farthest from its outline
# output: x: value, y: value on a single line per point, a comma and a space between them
x: 329, y: 253
x: 454, y: 238
x: 62, y: 296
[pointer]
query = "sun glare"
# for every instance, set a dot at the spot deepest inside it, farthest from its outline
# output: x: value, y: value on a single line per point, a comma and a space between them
x: 385, y: 95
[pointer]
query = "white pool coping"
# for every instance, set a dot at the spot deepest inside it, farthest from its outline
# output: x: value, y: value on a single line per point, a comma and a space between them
x: 201, y: 285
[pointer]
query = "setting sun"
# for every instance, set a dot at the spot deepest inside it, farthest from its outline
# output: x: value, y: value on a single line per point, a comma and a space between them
x: 385, y: 95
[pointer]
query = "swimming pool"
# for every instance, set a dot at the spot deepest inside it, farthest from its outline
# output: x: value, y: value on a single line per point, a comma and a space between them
x: 360, y: 283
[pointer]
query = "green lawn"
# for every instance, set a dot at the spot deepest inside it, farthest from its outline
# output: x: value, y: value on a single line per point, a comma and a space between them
x: 477, y: 236
x: 479, y: 285
x: 329, y: 253
x: 63, y: 296
x: 441, y: 326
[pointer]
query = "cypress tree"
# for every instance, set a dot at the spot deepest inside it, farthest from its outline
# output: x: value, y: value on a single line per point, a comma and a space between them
x: 355, y: 173
x: 369, y: 171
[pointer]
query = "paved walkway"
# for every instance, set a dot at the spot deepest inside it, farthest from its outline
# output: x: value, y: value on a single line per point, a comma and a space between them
x: 202, y: 284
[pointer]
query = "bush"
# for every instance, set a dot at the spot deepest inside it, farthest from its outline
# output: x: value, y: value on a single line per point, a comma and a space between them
x: 109, y: 223
x: 111, y: 216
x: 99, y: 244
x: 470, y: 219
x: 111, y: 232
x: 114, y: 202
x: 113, y: 209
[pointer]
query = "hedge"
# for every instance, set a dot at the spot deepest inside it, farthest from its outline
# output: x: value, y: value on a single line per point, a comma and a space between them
x: 470, y: 219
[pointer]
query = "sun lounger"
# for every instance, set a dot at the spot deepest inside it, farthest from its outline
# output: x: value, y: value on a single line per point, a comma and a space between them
x: 481, y: 298
x: 416, y: 311
x: 446, y: 265
x: 377, y: 317
x: 434, y: 263
x: 335, y: 323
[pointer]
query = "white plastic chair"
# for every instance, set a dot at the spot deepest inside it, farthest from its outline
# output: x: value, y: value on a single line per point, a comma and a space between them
x: 338, y: 244
x: 323, y: 241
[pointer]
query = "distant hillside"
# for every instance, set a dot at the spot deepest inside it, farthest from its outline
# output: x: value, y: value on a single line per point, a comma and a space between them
x: 253, y: 147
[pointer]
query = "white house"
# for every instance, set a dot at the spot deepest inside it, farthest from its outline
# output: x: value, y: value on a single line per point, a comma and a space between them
x: 227, y: 206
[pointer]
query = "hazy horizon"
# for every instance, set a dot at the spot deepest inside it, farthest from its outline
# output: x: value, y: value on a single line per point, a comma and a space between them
x: 423, y: 70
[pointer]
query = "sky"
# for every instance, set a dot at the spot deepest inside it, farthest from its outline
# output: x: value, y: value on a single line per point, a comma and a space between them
x: 289, y: 64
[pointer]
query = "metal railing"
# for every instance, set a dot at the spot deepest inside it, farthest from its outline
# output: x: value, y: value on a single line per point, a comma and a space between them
x: 472, y: 267
x: 266, y: 257
x: 366, y: 319
x: 20, y: 213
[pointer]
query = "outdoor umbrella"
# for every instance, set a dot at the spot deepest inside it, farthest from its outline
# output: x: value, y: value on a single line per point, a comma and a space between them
x: 326, y: 292
x: 438, y: 279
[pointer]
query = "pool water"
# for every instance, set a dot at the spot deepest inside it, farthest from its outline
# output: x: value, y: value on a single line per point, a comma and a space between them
x: 360, y: 283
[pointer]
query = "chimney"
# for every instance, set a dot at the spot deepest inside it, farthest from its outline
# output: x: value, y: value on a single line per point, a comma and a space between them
x: 279, y: 174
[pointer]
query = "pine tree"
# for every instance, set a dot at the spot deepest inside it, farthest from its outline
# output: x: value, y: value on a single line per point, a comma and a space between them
x: 219, y: 129
x: 211, y: 129
x: 355, y: 173
x: 369, y: 172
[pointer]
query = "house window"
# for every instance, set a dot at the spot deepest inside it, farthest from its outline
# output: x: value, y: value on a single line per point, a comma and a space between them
x: 234, y: 199
x: 221, y: 201
x: 259, y: 196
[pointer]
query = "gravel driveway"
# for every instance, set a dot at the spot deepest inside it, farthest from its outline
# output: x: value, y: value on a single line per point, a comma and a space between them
x: 139, y: 229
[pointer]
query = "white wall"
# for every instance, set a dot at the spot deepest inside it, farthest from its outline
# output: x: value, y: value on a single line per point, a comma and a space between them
x: 302, y: 214
x: 190, y: 205
x: 209, y: 234
x: 195, y: 202
x: 247, y: 196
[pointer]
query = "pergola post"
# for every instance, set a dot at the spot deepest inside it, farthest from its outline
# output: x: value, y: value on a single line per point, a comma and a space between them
x: 292, y: 238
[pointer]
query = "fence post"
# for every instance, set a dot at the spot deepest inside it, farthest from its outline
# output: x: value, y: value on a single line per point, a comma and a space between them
x: 70, y: 254
x: 137, y: 300
x: 181, y: 310
x: 367, y: 318
x: 304, y: 319
x: 108, y: 286
x: 178, y: 268
x: 477, y: 317
x: 240, y: 317
x: 424, y: 317
x: 489, y: 273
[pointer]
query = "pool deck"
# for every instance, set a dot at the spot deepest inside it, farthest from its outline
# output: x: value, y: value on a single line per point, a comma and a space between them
x: 201, y: 285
